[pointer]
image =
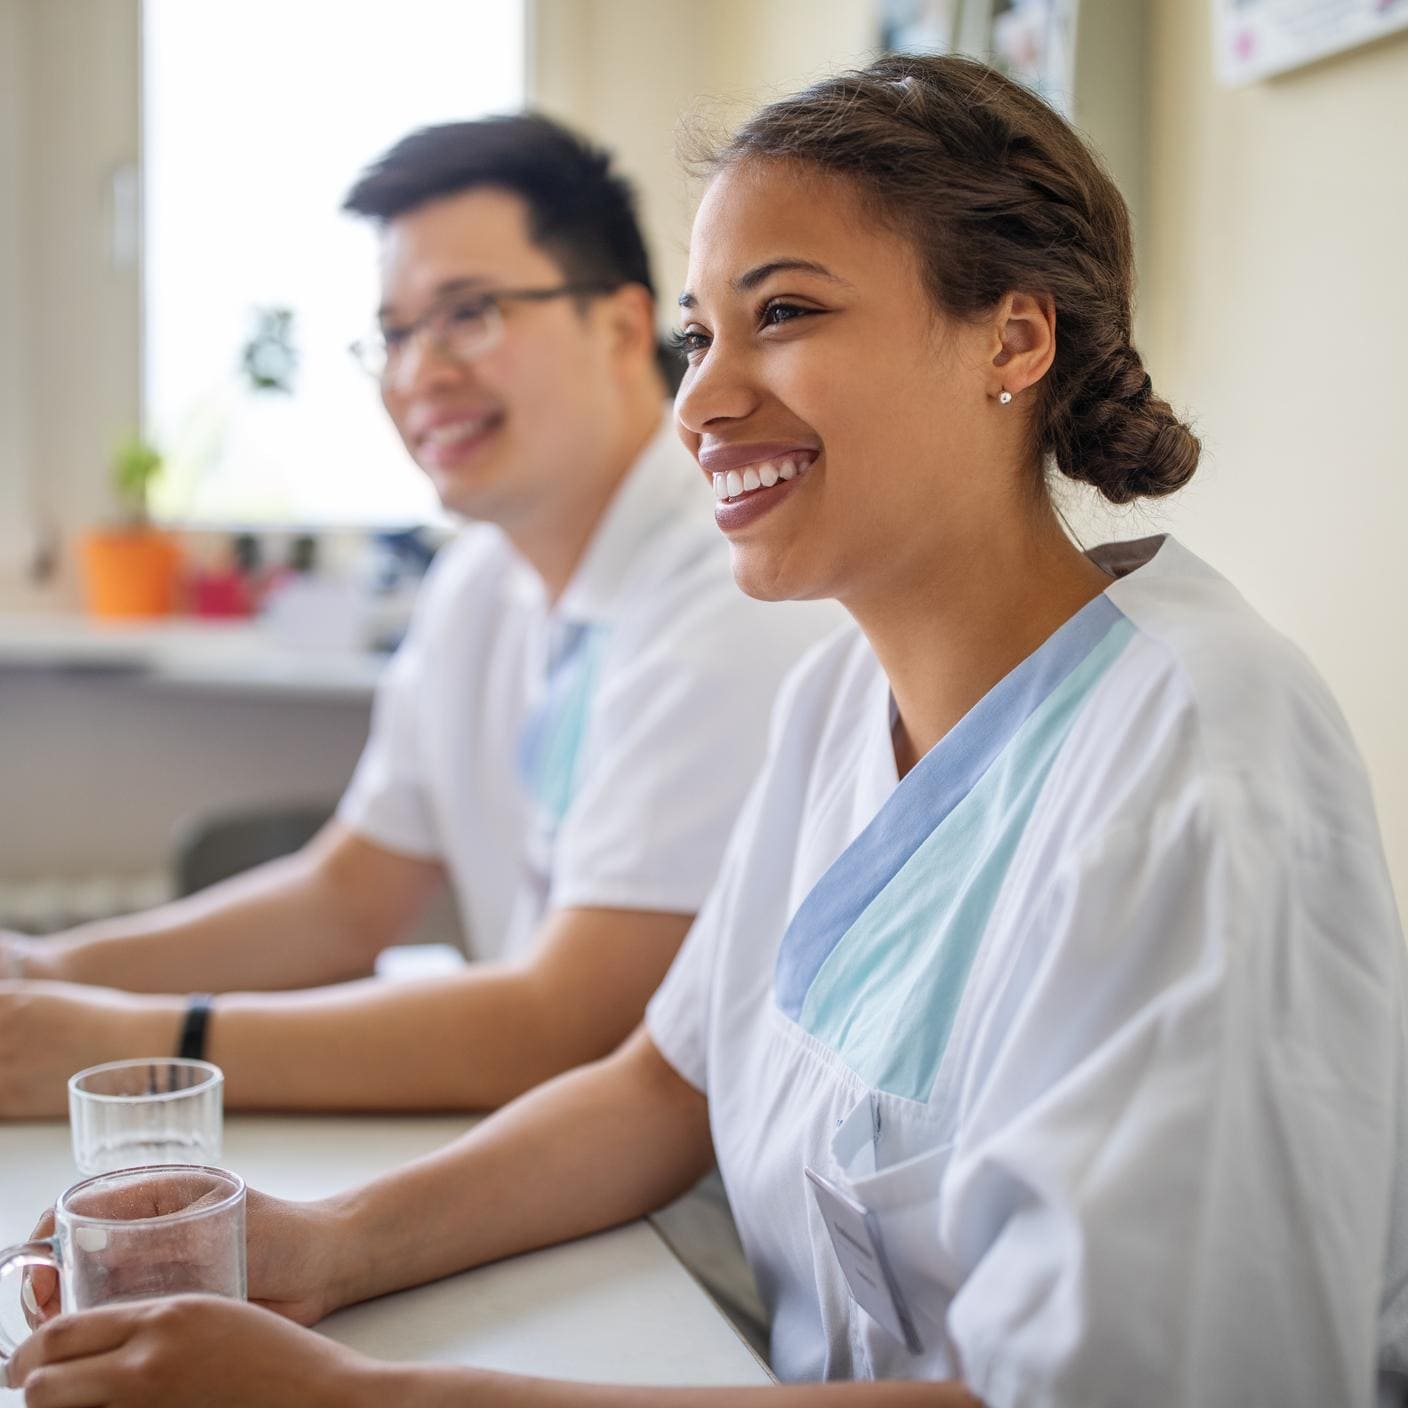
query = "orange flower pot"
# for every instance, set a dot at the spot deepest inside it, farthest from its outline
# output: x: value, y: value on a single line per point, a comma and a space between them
x: 130, y: 573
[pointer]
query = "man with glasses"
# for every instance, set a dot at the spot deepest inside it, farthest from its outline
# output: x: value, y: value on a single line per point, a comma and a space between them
x: 565, y: 736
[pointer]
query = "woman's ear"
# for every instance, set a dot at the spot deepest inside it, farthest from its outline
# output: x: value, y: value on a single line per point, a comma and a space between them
x: 1024, y: 331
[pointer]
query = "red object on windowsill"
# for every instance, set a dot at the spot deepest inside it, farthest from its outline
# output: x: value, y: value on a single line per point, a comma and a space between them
x: 224, y: 593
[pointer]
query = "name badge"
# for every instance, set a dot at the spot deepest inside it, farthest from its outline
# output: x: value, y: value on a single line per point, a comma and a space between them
x: 855, y: 1235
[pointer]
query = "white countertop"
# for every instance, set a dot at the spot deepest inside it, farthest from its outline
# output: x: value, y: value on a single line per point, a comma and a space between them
x: 614, y: 1308
x: 240, y: 656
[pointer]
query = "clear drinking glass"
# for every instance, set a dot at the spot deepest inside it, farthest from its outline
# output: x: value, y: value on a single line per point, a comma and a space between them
x: 140, y: 1233
x: 157, y: 1110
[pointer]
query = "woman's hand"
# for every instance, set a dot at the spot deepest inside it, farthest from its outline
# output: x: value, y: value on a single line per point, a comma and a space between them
x: 294, y: 1261
x: 190, y: 1352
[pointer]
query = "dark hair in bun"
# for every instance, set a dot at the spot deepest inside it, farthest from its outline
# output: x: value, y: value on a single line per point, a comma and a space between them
x: 998, y: 193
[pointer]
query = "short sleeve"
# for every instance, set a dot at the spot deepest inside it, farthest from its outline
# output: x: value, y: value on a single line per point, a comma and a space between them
x: 677, y: 1017
x: 682, y: 1013
x: 685, y: 1015
x: 1174, y: 1180
x: 387, y: 800
x: 677, y: 733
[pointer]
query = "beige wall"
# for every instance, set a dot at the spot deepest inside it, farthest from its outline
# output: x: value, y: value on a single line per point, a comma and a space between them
x: 626, y: 71
x: 69, y: 312
x: 1276, y: 310
x: 15, y: 417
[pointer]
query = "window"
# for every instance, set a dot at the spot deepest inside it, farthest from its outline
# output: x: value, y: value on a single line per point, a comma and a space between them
x: 257, y: 117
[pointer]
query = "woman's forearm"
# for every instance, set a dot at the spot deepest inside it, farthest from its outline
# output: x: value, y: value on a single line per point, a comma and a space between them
x: 591, y: 1149
x: 445, y: 1387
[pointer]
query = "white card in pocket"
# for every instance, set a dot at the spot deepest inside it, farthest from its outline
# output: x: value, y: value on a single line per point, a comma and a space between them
x: 855, y: 1235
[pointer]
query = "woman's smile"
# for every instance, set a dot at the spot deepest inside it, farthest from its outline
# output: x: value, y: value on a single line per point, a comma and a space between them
x: 751, y: 479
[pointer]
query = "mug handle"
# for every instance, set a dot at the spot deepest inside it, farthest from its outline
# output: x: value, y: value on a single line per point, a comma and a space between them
x: 44, y: 1252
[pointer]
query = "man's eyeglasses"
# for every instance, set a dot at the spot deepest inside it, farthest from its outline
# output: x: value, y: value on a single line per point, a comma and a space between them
x: 461, y: 328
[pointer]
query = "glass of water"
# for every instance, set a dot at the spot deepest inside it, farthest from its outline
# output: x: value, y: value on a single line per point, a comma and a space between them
x: 157, y: 1110
x: 140, y: 1233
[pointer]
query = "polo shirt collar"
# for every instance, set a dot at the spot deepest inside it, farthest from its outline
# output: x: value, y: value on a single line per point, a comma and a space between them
x: 659, y: 486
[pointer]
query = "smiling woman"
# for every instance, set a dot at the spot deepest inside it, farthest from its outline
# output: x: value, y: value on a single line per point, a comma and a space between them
x: 1040, y: 871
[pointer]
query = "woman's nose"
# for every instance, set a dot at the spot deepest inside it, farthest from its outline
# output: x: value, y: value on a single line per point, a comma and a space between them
x: 717, y: 387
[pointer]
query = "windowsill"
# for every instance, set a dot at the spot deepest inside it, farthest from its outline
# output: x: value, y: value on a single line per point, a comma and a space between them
x: 231, y: 657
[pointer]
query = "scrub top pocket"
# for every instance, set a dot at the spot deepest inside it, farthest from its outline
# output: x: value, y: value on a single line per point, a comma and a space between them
x: 890, y: 1156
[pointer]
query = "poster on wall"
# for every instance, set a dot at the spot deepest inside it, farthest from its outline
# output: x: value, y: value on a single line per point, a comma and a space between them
x: 1256, y: 38
x: 1032, y: 41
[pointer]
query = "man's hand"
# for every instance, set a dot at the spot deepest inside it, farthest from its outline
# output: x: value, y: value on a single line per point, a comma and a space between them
x: 188, y: 1350
x: 50, y: 1030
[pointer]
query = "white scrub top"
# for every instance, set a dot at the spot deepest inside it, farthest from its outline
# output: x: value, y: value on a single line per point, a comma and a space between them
x: 590, y: 754
x: 1098, y: 1014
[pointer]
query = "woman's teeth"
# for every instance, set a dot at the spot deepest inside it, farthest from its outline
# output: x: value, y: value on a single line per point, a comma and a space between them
x: 733, y: 485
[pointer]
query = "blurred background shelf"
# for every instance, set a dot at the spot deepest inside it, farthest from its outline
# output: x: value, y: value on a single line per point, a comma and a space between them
x: 116, y: 740
x: 223, y: 657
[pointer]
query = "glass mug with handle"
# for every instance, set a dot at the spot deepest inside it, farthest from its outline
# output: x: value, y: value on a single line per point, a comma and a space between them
x: 156, y: 1110
x: 136, y: 1234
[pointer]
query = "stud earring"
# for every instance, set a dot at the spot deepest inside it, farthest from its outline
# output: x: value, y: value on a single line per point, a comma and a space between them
x: 1004, y: 398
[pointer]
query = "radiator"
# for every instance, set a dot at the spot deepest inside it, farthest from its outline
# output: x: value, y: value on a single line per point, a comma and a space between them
x: 43, y: 904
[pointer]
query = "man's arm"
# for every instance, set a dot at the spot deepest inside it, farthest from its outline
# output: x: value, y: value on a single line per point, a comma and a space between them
x: 318, y: 916
x: 472, y: 1040
x: 314, y: 917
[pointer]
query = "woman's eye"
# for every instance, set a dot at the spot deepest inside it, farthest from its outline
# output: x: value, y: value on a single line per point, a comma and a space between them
x: 775, y: 313
x: 688, y: 343
x: 393, y: 337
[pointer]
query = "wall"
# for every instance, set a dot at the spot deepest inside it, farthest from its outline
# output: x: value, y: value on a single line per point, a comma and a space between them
x: 15, y: 418
x: 68, y: 123
x: 630, y: 71
x: 1275, y: 307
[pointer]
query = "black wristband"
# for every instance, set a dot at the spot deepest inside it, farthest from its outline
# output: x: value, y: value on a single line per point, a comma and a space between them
x: 191, y: 1046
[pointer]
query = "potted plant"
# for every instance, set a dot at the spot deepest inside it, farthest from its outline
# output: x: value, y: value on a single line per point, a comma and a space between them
x: 132, y: 570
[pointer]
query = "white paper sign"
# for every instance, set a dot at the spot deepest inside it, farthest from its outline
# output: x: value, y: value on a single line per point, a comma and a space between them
x: 1256, y: 38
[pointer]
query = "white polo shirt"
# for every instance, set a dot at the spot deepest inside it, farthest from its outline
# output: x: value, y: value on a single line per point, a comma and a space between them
x: 592, y: 754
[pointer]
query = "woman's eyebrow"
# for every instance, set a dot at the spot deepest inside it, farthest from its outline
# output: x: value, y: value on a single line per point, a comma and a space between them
x: 747, y: 282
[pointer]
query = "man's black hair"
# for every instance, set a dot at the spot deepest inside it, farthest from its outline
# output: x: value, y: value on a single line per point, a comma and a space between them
x: 580, y: 211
